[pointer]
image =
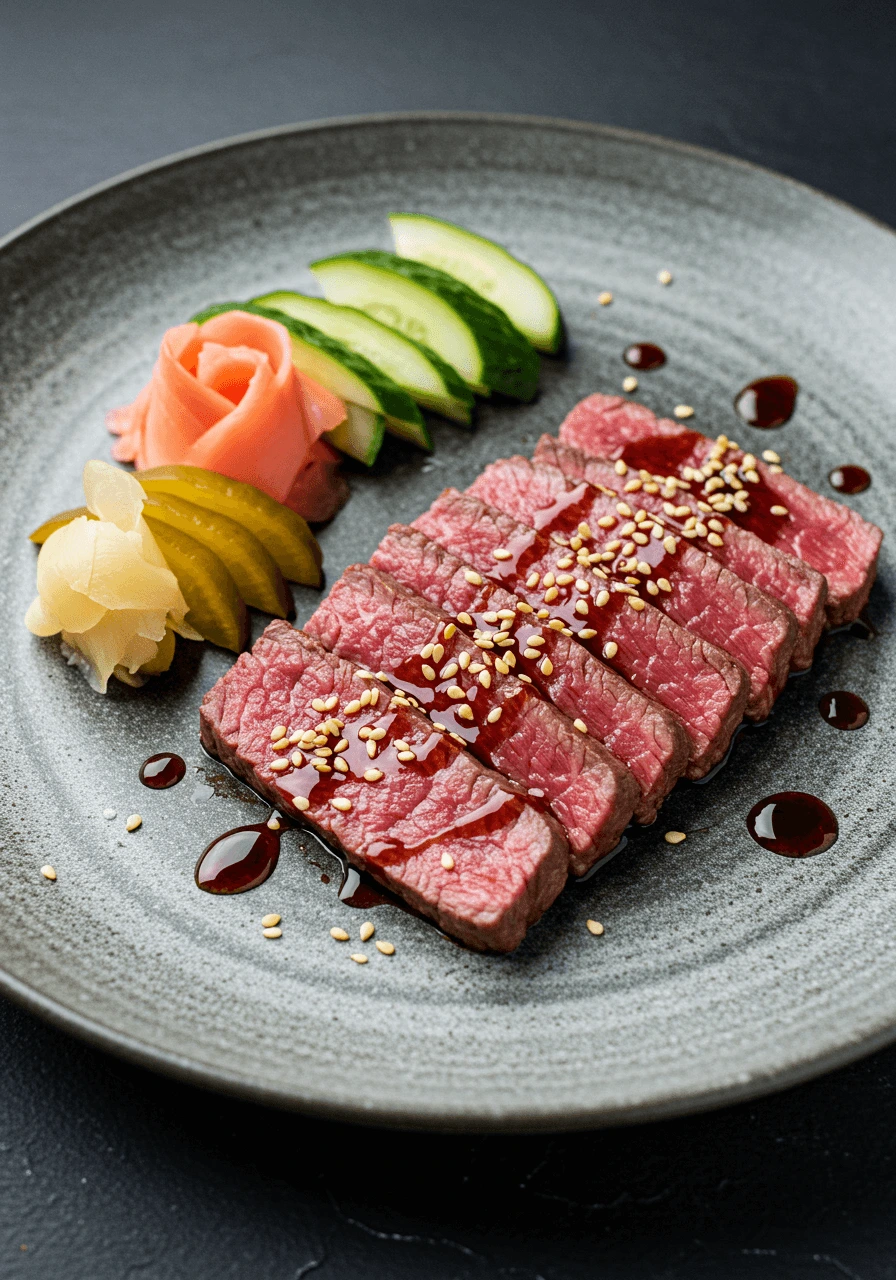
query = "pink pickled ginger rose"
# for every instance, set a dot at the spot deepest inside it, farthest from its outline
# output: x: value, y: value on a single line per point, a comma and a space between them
x: 226, y: 396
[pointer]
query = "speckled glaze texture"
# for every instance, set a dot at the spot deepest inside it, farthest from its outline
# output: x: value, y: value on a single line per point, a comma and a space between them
x: 724, y: 970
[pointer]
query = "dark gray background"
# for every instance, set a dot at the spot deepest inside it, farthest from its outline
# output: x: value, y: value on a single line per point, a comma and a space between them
x: 106, y: 1171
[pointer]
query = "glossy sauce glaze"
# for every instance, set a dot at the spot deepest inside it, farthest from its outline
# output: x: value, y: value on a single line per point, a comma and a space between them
x: 644, y: 356
x: 238, y: 860
x: 767, y: 402
x: 793, y: 823
x: 844, y: 710
x: 850, y: 479
x: 162, y: 771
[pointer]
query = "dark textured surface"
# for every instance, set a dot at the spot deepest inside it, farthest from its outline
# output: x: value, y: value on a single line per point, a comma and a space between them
x: 108, y: 1172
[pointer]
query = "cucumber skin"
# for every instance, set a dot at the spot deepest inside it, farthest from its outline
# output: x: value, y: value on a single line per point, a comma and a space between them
x: 555, y: 343
x: 368, y: 458
x: 509, y: 361
x: 395, y: 401
x: 455, y: 386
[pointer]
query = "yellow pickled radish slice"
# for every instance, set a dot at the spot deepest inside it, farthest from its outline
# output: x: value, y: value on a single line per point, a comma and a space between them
x: 257, y: 577
x: 284, y: 533
x: 43, y: 531
x: 214, y: 606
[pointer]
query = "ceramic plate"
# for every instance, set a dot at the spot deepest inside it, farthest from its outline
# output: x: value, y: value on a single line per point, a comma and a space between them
x: 725, y: 970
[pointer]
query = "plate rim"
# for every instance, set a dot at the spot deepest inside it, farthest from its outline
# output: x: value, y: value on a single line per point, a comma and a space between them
x: 467, y: 1119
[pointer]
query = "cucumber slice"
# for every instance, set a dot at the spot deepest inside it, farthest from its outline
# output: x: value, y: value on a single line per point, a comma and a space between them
x: 360, y: 435
x: 422, y: 373
x: 342, y: 371
x: 487, y: 268
x: 432, y: 307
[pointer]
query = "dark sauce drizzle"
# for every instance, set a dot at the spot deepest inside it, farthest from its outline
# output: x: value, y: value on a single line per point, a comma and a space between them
x: 767, y: 402
x: 793, y: 823
x: 644, y: 356
x: 240, y: 859
x: 844, y: 710
x: 162, y: 771
x: 850, y: 479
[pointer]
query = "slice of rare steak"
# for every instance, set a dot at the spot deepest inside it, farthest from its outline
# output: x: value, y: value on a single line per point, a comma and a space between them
x: 617, y: 539
x: 457, y: 842
x: 804, y: 590
x: 370, y: 618
x: 640, y: 732
x: 705, y: 687
x: 828, y: 535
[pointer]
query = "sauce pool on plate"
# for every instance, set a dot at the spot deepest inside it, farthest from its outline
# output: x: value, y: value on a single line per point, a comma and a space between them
x: 162, y: 771
x: 767, y: 402
x: 793, y: 823
x: 849, y: 479
x: 844, y: 710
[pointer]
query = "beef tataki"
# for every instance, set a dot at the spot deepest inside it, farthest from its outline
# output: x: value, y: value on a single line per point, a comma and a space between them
x: 456, y: 841
x: 645, y: 736
x: 371, y: 618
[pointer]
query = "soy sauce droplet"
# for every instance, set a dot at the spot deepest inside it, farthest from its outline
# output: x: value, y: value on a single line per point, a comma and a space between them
x: 162, y: 770
x: 767, y: 402
x: 793, y: 823
x: 238, y: 860
x: 644, y: 355
x: 849, y: 479
x: 844, y: 710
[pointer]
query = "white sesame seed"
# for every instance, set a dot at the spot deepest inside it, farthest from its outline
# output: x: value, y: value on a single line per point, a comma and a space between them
x: 664, y: 276
x: 595, y: 927
x: 581, y: 608
x: 652, y: 588
x: 636, y: 603
x: 611, y: 648
x: 674, y: 837
x: 531, y: 653
x: 502, y: 554
x: 426, y: 651
x: 318, y: 704
x: 272, y: 933
x: 339, y: 935
x: 664, y: 584
x: 620, y: 467
x: 48, y: 872
x: 282, y: 745
x: 377, y: 735
x: 465, y: 712
x: 630, y: 383
x: 372, y: 775
x: 370, y: 747
x: 278, y: 732
x: 302, y: 803
x: 494, y: 715
x: 587, y: 633
x: 385, y: 948
x: 447, y: 861
x: 715, y: 540
x: 605, y: 298
x: 485, y: 679
x: 353, y: 707
x: 581, y: 725
x: 428, y: 673
x: 135, y: 821
x: 778, y: 510
x: 522, y: 607
x: 473, y: 577
x: 273, y: 823
x: 547, y: 667
x: 321, y: 766
x: 340, y: 765
x: 770, y: 456
x: 269, y: 921
x: 438, y: 652
x: 683, y: 411
x: 501, y: 667
x: 358, y: 957
x: 450, y: 631
x: 342, y: 805
x: 366, y: 931
x: 406, y: 756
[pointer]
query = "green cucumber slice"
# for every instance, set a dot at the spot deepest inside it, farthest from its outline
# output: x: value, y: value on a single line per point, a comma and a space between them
x: 432, y: 307
x: 360, y: 435
x: 342, y: 371
x: 422, y: 373
x: 488, y: 268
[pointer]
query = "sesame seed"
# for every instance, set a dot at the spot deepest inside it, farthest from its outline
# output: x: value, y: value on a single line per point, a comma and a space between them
x: 318, y: 704
x: 365, y: 675
x: 426, y: 651
x: 491, y: 617
x: 321, y: 766
x: 365, y: 698
x: 620, y: 467
x: 377, y: 735
x: 282, y: 745
x: 485, y: 679
x: 463, y: 660
x: 630, y: 383
x: 605, y: 298
x: 273, y: 823
x: 632, y: 486
x: 531, y: 653
x: 587, y: 633
x: 683, y: 411
x: 652, y: 589
x: 278, y: 732
x: 494, y: 715
x: 465, y: 712
x: 501, y: 667
x: 385, y: 948
x: 581, y: 725
x: 770, y: 456
x: 484, y: 644
x: 340, y: 765
x: 366, y: 931
x: 547, y: 667
x: 778, y: 510
x: 611, y: 648
x: 353, y: 707
x: 674, y: 837
x: 581, y: 608
x: 322, y: 752
x: 371, y: 749
x: 401, y: 745
x: 269, y: 921
x: 406, y: 756
x: 302, y: 803
x: 372, y: 775
x: 450, y: 631
x: 438, y: 652
x: 272, y: 933
x: 526, y: 679
x: 473, y: 577
x: 465, y: 620
x: 455, y: 691
x: 664, y: 276
x: 670, y: 545
x: 447, y: 861
x: 342, y: 805
x: 48, y: 872
x: 428, y: 672
x: 135, y: 821
x: 502, y: 554
x: 595, y: 927
x: 358, y: 957
x: 636, y: 603
x: 522, y: 607
x: 715, y: 541
x: 664, y: 584
x: 339, y: 935
x: 543, y: 613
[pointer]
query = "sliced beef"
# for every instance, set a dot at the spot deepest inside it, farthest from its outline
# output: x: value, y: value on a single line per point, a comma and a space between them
x: 705, y: 687
x: 645, y: 736
x: 704, y: 596
x: 369, y: 617
x: 829, y: 536
x: 775, y: 572
x: 506, y: 862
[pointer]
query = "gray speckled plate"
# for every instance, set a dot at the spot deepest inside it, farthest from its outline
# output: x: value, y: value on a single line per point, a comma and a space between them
x: 725, y: 971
